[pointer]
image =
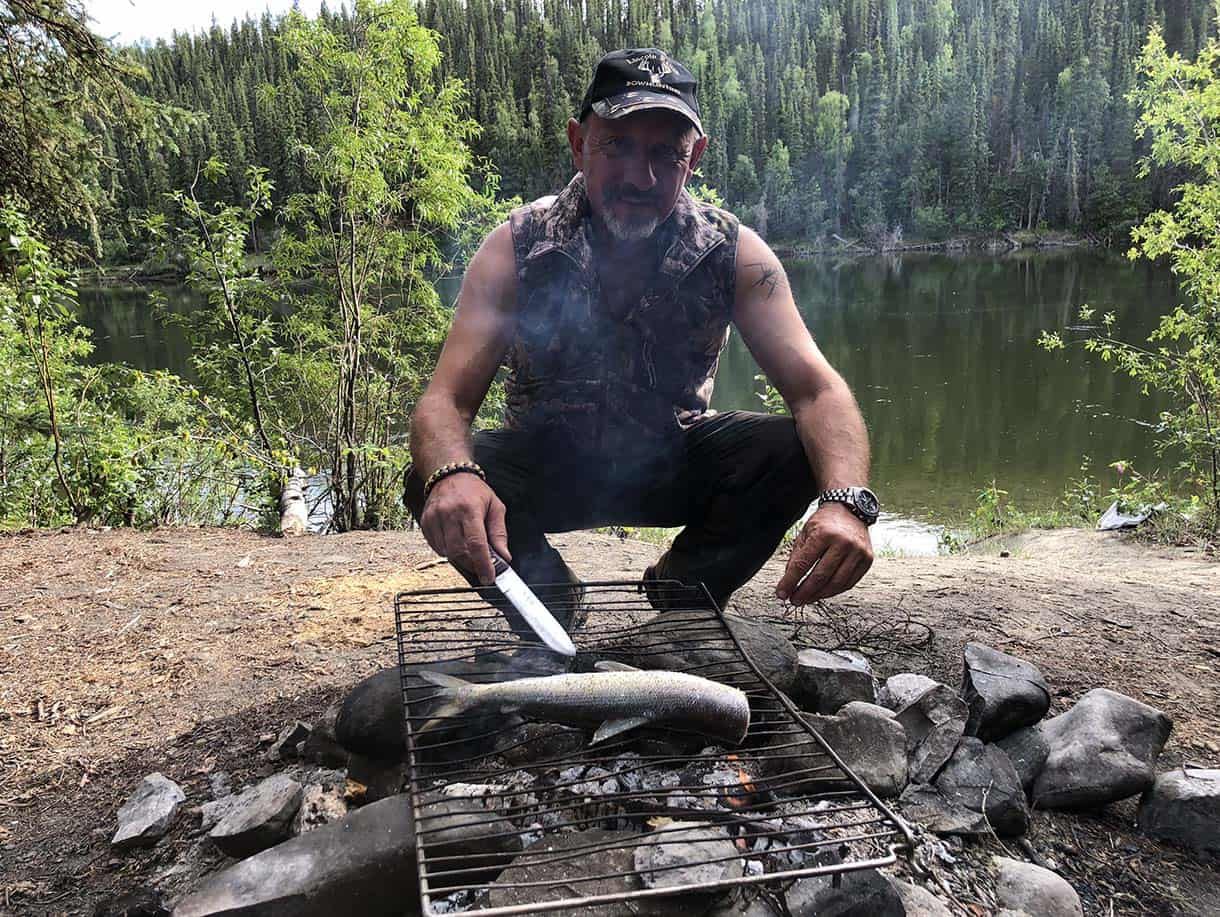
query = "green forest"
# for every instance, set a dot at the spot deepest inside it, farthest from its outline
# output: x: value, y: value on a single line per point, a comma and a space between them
x: 856, y: 117
x: 312, y: 178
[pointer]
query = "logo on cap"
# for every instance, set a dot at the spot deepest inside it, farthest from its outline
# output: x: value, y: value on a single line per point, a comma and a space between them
x: 656, y: 66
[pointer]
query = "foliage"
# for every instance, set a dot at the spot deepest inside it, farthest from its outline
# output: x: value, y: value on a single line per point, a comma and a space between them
x: 321, y: 363
x: 996, y: 116
x: 60, y: 85
x: 1179, y: 102
x: 90, y: 443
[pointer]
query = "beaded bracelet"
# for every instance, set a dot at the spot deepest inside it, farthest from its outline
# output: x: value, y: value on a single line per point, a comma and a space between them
x: 451, y: 468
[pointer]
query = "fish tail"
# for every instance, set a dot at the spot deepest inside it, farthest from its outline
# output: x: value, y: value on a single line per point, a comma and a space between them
x: 457, y: 697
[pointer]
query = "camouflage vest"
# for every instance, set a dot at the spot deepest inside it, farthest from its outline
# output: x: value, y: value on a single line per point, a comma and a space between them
x: 617, y: 382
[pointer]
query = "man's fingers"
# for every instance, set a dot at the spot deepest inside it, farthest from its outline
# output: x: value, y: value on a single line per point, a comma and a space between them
x: 474, y: 552
x: 851, y: 569
x: 827, y: 567
x: 804, y: 554
x: 497, y: 529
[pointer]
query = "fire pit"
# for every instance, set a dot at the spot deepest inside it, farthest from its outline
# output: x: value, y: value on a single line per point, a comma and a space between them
x: 648, y: 813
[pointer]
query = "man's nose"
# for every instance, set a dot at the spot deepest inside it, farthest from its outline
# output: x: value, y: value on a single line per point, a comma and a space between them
x: 640, y: 174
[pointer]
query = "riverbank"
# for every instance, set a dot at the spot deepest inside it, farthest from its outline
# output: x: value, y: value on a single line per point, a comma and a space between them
x: 979, y: 243
x: 126, y: 652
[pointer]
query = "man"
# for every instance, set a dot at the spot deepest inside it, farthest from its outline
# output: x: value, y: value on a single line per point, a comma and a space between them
x: 612, y: 302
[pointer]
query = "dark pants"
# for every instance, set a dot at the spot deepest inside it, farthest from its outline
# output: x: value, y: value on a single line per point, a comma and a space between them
x: 736, y: 481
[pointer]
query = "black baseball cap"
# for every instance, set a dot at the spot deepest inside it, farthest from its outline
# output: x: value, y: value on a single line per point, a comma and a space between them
x: 634, y: 79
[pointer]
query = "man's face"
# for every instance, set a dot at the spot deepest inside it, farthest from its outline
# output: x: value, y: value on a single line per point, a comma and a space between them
x: 635, y: 167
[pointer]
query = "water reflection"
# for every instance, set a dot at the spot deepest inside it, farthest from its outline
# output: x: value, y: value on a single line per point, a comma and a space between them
x: 940, y: 350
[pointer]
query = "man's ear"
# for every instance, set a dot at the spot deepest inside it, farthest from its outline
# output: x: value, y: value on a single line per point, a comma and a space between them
x: 576, y: 141
x: 696, y: 152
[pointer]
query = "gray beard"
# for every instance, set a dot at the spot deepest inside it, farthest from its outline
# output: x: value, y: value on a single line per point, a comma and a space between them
x: 630, y: 232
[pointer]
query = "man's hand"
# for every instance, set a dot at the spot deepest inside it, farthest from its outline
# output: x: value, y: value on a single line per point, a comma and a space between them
x: 838, y: 543
x: 461, y: 517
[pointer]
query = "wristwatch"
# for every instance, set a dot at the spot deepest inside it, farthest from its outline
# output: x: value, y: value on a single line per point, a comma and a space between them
x: 861, y: 501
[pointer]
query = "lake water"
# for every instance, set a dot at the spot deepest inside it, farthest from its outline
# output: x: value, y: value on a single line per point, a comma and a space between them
x: 940, y: 350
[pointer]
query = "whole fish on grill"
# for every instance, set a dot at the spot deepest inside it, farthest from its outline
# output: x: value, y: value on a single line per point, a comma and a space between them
x: 617, y: 697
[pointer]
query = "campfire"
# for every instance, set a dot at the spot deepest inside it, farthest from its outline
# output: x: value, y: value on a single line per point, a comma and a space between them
x: 566, y: 823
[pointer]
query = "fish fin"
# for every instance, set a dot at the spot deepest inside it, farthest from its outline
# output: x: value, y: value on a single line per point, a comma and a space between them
x: 455, y: 704
x: 443, y: 679
x: 609, y: 665
x: 612, y: 728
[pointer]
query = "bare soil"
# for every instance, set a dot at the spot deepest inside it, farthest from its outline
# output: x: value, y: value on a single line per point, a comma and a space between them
x: 182, y: 651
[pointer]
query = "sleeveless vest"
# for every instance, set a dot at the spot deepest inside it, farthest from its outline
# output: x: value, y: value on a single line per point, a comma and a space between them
x: 609, y: 382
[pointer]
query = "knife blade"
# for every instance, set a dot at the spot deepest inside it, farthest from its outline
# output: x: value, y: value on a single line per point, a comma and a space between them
x: 549, y: 630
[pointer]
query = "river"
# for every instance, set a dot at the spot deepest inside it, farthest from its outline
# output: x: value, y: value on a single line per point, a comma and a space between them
x: 941, y: 351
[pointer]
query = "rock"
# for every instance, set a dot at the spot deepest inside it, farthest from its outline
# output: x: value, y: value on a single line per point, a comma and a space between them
x: 939, y: 814
x: 148, y: 812
x: 532, y: 743
x: 919, y: 902
x: 935, y: 722
x: 370, y: 719
x: 288, y: 742
x: 260, y: 817
x: 615, y: 858
x: 681, y: 853
x: 651, y: 646
x: 1027, y: 749
x: 320, y: 805
x: 1184, y: 806
x: 362, y: 864
x: 322, y: 746
x: 1032, y: 890
x: 983, y: 779
x: 862, y: 893
x: 1101, y: 750
x: 380, y: 778
x: 827, y: 681
x: 458, y: 826
x: 900, y: 690
x: 210, y: 813
x: 871, y: 743
x: 1004, y: 693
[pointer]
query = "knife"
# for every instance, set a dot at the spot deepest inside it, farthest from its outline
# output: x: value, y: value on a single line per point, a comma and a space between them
x: 530, y: 608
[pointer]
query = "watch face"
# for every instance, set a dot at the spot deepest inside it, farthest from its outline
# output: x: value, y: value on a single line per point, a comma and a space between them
x: 866, y: 502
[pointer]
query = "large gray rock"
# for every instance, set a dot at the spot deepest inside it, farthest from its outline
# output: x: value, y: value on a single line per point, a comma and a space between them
x: 982, y: 778
x: 863, y: 893
x: 827, y: 681
x: 1028, y: 750
x: 1004, y: 693
x: 1184, y: 806
x: 258, y: 818
x: 1029, y: 889
x: 899, y: 690
x: 652, y: 646
x: 934, y: 722
x: 688, y: 855
x: 148, y: 812
x: 919, y: 902
x: 563, y: 861
x: 1101, y: 750
x: 362, y: 864
x: 871, y: 743
x: 931, y: 808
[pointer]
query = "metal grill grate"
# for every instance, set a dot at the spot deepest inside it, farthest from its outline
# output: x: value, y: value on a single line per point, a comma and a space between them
x: 784, y: 800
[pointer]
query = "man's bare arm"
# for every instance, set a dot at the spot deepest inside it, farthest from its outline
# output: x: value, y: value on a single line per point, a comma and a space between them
x: 834, y: 543
x: 462, y: 514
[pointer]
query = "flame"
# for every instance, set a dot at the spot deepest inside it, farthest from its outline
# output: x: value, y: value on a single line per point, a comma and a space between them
x: 741, y: 796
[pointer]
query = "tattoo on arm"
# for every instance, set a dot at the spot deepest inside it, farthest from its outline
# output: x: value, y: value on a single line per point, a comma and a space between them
x: 769, y: 277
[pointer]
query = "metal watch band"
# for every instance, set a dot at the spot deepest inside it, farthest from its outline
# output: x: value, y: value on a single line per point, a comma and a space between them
x: 846, y: 496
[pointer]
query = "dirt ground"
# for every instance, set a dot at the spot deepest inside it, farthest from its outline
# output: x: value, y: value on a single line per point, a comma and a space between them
x: 180, y: 651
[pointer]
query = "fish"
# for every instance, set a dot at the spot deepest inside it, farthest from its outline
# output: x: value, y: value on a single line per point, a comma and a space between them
x: 617, y: 697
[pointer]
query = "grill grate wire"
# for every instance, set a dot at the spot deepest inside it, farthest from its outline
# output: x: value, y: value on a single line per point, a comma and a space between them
x: 783, y: 775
